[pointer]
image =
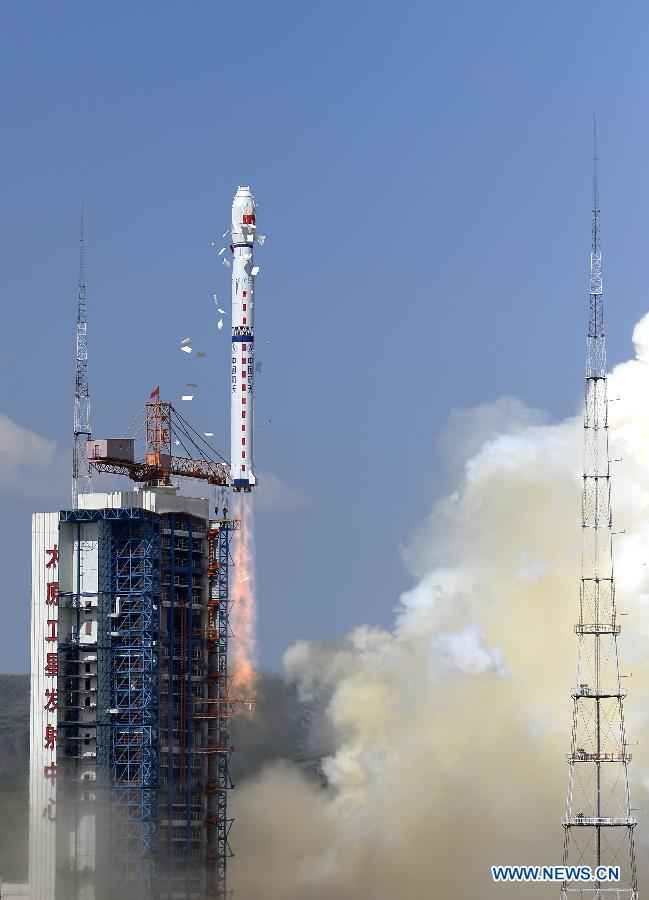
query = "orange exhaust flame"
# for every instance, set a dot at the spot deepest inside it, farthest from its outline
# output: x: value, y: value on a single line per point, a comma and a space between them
x: 243, y: 615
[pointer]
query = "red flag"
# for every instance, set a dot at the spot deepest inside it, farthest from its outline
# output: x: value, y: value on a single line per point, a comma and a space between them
x: 156, y: 393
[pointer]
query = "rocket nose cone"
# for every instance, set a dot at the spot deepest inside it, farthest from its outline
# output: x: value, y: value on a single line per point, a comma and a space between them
x: 243, y: 206
x: 243, y: 193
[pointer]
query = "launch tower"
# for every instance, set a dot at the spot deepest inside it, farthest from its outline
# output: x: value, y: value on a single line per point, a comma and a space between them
x: 130, y: 704
x: 81, y: 474
x: 598, y: 825
x: 129, y: 747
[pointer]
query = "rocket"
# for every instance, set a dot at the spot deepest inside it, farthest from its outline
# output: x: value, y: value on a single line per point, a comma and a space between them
x: 243, y: 336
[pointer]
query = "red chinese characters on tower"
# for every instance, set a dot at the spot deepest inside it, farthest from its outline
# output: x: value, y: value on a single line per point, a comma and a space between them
x: 50, y: 737
x: 50, y: 671
x: 52, y: 626
x: 51, y: 665
x: 54, y: 557
x: 48, y: 811
x: 52, y: 703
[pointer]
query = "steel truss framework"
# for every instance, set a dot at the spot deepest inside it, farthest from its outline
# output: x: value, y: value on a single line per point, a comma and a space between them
x: 127, y: 696
x: 81, y: 433
x: 182, y: 677
x: 598, y: 825
x: 218, y: 707
x: 132, y: 728
x: 134, y: 632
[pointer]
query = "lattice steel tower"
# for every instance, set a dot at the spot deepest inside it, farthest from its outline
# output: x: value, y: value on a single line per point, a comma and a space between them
x: 81, y: 474
x: 598, y: 826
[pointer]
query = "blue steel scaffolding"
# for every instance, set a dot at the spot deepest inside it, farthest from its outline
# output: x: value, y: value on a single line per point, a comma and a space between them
x: 182, y: 677
x: 177, y: 749
x: 127, y: 698
x: 134, y: 717
x: 218, y: 707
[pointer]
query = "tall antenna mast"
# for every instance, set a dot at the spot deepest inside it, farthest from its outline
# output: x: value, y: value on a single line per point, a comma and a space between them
x: 81, y: 474
x: 598, y: 826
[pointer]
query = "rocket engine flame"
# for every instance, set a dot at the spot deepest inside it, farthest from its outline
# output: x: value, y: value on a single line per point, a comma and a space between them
x: 243, y: 616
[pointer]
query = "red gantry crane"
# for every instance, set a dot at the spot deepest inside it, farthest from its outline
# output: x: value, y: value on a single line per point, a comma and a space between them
x: 164, y: 426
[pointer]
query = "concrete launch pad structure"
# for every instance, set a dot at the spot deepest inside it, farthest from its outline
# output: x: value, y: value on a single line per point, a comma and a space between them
x: 129, y: 698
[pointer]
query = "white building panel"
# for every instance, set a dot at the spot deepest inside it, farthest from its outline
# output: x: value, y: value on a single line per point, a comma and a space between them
x: 159, y: 500
x: 44, y: 694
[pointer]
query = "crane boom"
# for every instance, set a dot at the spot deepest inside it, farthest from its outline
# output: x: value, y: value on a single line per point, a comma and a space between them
x: 115, y: 457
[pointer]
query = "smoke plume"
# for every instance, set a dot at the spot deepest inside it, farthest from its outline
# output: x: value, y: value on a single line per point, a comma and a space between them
x: 446, y: 736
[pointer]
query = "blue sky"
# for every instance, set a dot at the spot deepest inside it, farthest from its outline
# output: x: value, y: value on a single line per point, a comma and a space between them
x: 423, y: 175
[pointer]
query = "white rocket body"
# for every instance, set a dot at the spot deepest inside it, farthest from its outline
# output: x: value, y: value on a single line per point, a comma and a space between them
x: 243, y: 336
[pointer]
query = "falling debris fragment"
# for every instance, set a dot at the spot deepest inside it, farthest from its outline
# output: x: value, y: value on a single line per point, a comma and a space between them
x: 225, y: 232
x: 258, y: 366
x: 176, y: 443
x: 219, y: 324
x: 254, y: 270
x: 267, y: 422
x: 222, y: 311
x: 187, y: 397
x: 185, y: 342
x: 201, y: 354
x: 226, y: 262
x: 261, y: 239
x: 189, y: 384
x: 208, y: 433
x: 186, y: 349
x: 222, y: 250
x: 268, y: 341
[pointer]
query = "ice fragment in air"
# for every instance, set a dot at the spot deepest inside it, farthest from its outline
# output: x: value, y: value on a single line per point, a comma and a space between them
x: 222, y: 250
x: 208, y: 433
x: 185, y: 342
x: 189, y: 384
x: 261, y: 239
x: 186, y: 349
x: 254, y: 270
x: 222, y: 311
x: 225, y: 232
x: 226, y: 262
x: 187, y: 397
x: 201, y: 354
x: 258, y: 366
x: 219, y: 324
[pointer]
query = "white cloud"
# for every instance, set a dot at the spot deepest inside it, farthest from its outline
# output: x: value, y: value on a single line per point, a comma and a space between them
x: 30, y: 464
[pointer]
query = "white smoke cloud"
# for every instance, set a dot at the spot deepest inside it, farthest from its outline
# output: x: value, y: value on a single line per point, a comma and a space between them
x: 449, y: 732
x: 465, y: 652
x: 272, y: 495
x: 30, y: 464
